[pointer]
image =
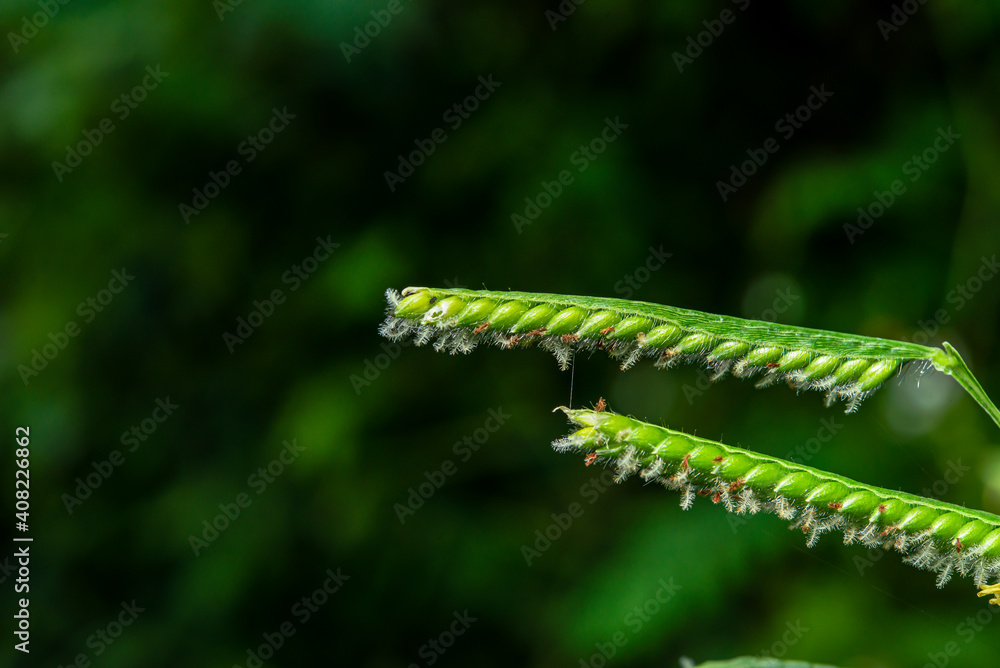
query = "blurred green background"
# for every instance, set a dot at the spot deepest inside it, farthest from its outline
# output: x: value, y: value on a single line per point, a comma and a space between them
x: 308, y: 114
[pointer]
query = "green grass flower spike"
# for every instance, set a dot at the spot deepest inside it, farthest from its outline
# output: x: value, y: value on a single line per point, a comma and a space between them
x: 844, y: 366
x: 935, y: 536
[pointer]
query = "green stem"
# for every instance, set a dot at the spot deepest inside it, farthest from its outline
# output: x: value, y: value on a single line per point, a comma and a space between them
x: 953, y: 365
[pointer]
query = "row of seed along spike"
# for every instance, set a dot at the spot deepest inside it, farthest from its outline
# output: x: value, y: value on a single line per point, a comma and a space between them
x: 844, y: 366
x: 935, y: 536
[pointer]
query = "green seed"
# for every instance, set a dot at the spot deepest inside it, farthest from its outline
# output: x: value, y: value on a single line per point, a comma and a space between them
x: 945, y: 526
x: 630, y: 327
x: 592, y: 327
x: 918, y: 519
x: 876, y: 374
x: 703, y: 456
x: 534, y: 319
x: 860, y: 504
x: 849, y: 370
x: 892, y: 511
x: 694, y: 343
x: 796, y: 484
x: 507, y: 314
x: 444, y: 309
x: 762, y: 355
x: 827, y: 493
x: 735, y: 466
x: 973, y: 533
x: 820, y: 367
x: 566, y: 321
x: 794, y: 360
x: 415, y: 304
x: 475, y: 313
x: 764, y: 476
x: 729, y: 350
x: 662, y: 336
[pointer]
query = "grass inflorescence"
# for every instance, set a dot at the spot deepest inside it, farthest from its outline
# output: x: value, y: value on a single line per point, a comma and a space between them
x: 933, y: 535
x: 844, y: 366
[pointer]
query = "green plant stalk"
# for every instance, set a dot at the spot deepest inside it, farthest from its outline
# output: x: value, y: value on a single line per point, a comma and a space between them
x: 845, y: 366
x: 935, y: 536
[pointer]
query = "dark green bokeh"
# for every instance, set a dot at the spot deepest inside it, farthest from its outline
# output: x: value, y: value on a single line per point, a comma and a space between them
x: 777, y: 247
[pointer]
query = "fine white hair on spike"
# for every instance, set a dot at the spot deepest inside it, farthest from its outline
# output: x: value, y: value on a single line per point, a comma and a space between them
x: 727, y: 498
x: 392, y: 299
x: 720, y: 370
x: 808, y: 516
x: 869, y: 536
x: 424, y: 334
x: 768, y: 379
x: 396, y: 329
x: 742, y: 370
x: 849, y: 535
x: 923, y: 556
x: 560, y: 350
x: 783, y: 508
x: 682, y: 476
x: 653, y: 471
x: 687, y: 497
x: 944, y: 573
x: 444, y: 342
x: 671, y: 482
x: 625, y: 435
x: 633, y: 356
x: 748, y: 502
x: 980, y: 577
x: 626, y: 464
x: 568, y: 444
